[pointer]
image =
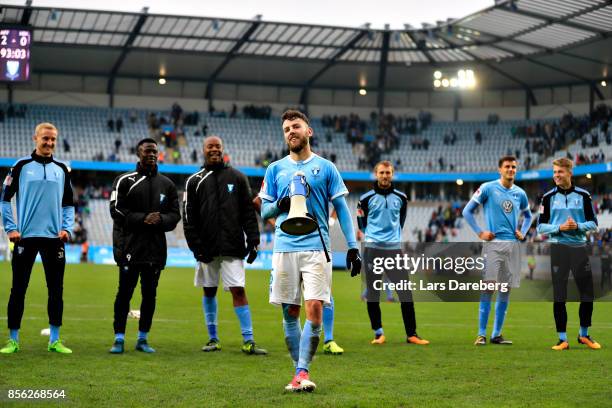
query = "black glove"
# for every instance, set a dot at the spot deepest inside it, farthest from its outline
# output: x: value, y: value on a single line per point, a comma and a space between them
x: 284, y: 204
x: 204, y: 258
x: 353, y: 261
x: 252, y: 253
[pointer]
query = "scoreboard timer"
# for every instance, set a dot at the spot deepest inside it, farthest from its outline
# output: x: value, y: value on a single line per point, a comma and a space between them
x: 15, y: 54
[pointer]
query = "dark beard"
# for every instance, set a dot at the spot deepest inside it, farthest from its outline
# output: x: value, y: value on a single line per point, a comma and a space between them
x: 298, y: 148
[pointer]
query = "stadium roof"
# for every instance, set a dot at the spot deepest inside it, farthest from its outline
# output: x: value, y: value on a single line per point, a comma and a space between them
x: 518, y: 44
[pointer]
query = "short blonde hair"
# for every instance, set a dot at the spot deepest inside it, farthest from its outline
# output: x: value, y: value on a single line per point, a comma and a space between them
x: 384, y: 163
x: 44, y: 125
x: 564, y: 162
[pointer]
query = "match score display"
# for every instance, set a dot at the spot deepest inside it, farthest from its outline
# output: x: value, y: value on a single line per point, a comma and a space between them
x: 15, y: 54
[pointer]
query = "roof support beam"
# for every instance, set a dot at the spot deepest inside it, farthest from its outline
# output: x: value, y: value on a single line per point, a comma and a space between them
x: 421, y: 46
x: 110, y: 86
x: 27, y: 13
x: 580, y: 57
x: 382, y: 72
x: 332, y: 61
x: 228, y: 58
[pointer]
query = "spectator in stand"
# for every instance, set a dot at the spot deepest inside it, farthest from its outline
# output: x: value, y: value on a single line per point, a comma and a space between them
x: 110, y: 124
x: 119, y: 124
x: 176, y: 113
x: 478, y: 137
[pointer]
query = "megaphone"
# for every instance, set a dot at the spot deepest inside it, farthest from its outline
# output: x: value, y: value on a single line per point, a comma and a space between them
x: 298, y: 221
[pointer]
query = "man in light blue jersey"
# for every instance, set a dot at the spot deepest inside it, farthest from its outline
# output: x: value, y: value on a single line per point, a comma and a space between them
x: 503, y: 203
x: 566, y: 215
x: 381, y: 213
x: 299, y: 264
x: 45, y: 218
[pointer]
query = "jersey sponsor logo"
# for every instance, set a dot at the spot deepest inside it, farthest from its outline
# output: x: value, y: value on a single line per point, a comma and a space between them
x: 30, y: 172
x: 507, y: 206
x: 230, y: 188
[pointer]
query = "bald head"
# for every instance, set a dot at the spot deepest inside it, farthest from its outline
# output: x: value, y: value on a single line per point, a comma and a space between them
x: 213, y: 150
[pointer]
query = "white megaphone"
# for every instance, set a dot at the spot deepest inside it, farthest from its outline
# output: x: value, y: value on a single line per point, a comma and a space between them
x: 298, y: 221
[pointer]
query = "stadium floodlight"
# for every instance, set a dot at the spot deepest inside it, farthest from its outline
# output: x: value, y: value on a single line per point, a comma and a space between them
x: 604, y: 83
x: 589, y: 176
x: 459, y: 182
x: 454, y: 83
x: 437, y: 75
x: 445, y: 82
x: 162, y: 81
x: 363, y: 92
x: 437, y: 83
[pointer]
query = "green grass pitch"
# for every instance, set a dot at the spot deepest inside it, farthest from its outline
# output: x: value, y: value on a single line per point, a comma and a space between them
x: 448, y: 372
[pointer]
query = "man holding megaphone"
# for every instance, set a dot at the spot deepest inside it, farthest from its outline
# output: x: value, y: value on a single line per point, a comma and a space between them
x: 296, y: 191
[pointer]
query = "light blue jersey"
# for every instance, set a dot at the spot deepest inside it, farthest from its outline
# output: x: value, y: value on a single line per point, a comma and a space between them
x: 45, y: 205
x: 502, y: 208
x: 325, y: 185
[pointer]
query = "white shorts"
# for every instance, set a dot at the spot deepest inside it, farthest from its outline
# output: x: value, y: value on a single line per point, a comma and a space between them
x: 503, y: 262
x: 231, y: 270
x: 300, y: 273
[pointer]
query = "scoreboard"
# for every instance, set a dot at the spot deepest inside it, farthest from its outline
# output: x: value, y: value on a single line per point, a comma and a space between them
x: 15, y: 54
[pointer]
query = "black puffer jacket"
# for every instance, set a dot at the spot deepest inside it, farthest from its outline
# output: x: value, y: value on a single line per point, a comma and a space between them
x: 218, y: 212
x: 136, y: 194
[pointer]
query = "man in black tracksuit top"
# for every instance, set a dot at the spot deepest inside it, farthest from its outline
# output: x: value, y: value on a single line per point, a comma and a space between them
x: 217, y: 215
x: 144, y: 206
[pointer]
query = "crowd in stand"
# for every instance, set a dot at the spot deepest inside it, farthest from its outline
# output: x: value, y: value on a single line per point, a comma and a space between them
x: 378, y: 135
x: 547, y: 138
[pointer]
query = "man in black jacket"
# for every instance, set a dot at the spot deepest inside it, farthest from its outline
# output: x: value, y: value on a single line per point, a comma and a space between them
x: 217, y: 215
x: 144, y: 206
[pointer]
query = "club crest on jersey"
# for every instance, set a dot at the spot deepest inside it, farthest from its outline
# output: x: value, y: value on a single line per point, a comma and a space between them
x: 315, y: 170
x: 507, y: 206
x: 230, y: 188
